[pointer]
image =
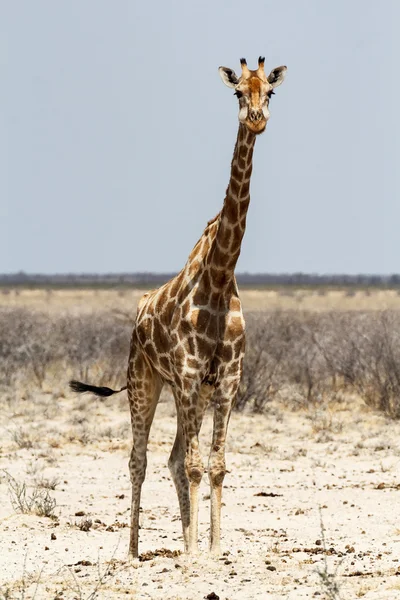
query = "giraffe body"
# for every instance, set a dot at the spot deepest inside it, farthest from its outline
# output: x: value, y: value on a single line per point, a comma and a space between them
x: 192, y: 338
x: 190, y: 334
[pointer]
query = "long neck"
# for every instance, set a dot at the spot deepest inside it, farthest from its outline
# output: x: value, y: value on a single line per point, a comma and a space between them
x: 232, y: 223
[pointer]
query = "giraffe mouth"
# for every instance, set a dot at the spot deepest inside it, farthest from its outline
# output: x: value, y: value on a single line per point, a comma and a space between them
x: 256, y: 126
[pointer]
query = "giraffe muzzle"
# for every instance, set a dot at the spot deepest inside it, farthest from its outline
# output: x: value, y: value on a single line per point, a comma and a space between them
x: 256, y: 115
x: 256, y: 121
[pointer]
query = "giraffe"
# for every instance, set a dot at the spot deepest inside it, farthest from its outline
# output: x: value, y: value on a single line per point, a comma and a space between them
x: 190, y: 334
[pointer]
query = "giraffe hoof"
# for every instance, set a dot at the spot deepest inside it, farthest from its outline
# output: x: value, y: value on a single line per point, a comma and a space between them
x: 133, y: 561
x: 192, y: 552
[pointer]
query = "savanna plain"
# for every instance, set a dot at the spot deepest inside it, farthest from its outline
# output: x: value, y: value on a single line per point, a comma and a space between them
x: 311, y: 499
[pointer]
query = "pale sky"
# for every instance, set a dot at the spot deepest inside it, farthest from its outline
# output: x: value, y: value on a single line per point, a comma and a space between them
x: 117, y: 133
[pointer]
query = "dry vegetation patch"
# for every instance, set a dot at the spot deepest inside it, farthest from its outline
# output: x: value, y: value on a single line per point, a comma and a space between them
x: 301, y: 357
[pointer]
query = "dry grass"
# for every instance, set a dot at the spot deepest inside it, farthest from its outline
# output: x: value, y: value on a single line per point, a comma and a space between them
x: 79, y: 301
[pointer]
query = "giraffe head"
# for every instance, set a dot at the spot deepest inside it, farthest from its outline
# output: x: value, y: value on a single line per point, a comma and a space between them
x: 254, y: 90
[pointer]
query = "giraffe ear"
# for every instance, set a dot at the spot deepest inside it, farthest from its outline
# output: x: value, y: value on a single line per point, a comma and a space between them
x: 276, y: 76
x: 228, y: 76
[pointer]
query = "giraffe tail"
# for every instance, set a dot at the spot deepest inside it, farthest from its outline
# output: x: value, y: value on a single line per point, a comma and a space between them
x: 81, y: 388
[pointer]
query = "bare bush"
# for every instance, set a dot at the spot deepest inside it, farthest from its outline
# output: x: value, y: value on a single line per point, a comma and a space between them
x: 281, y: 351
x: 322, y: 355
x: 49, y: 483
x: 379, y: 364
x: 103, y: 342
x: 38, y: 501
x: 33, y: 344
x: 22, y: 438
x: 265, y: 351
x: 306, y: 357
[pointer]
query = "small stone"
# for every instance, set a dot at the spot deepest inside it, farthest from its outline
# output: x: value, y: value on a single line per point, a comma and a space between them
x: 80, y: 513
x: 271, y: 568
x: 53, y: 536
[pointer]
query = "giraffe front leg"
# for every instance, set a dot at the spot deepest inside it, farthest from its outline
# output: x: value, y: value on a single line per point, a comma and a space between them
x: 194, y: 469
x: 177, y: 466
x: 187, y: 470
x: 186, y: 458
x: 224, y: 398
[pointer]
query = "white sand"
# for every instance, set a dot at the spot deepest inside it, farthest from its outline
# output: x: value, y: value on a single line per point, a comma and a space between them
x: 273, y: 545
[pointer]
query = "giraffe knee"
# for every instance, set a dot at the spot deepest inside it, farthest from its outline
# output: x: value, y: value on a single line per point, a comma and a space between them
x: 216, y: 468
x: 195, y: 474
x: 217, y: 476
x: 194, y: 470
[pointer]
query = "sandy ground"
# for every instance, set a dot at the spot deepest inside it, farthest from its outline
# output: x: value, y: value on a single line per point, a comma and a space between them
x: 125, y: 300
x: 311, y: 505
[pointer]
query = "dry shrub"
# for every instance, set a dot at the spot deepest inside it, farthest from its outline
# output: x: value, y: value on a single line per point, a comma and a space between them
x: 34, y: 344
x: 379, y: 371
x: 96, y: 341
x: 305, y: 357
x: 268, y: 336
x: 281, y: 352
x: 362, y: 350
x: 38, y: 501
x: 320, y: 355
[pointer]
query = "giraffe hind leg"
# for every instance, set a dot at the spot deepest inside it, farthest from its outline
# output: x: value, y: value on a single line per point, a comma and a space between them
x: 144, y: 388
x: 176, y: 464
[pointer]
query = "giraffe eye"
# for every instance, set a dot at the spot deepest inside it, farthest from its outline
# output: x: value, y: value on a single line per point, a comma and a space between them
x: 238, y: 93
x: 271, y: 93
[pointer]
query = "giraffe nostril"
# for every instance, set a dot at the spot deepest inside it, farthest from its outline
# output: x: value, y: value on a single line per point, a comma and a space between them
x: 256, y: 115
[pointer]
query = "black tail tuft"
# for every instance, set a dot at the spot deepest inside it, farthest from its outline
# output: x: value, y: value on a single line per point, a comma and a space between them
x: 80, y: 388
